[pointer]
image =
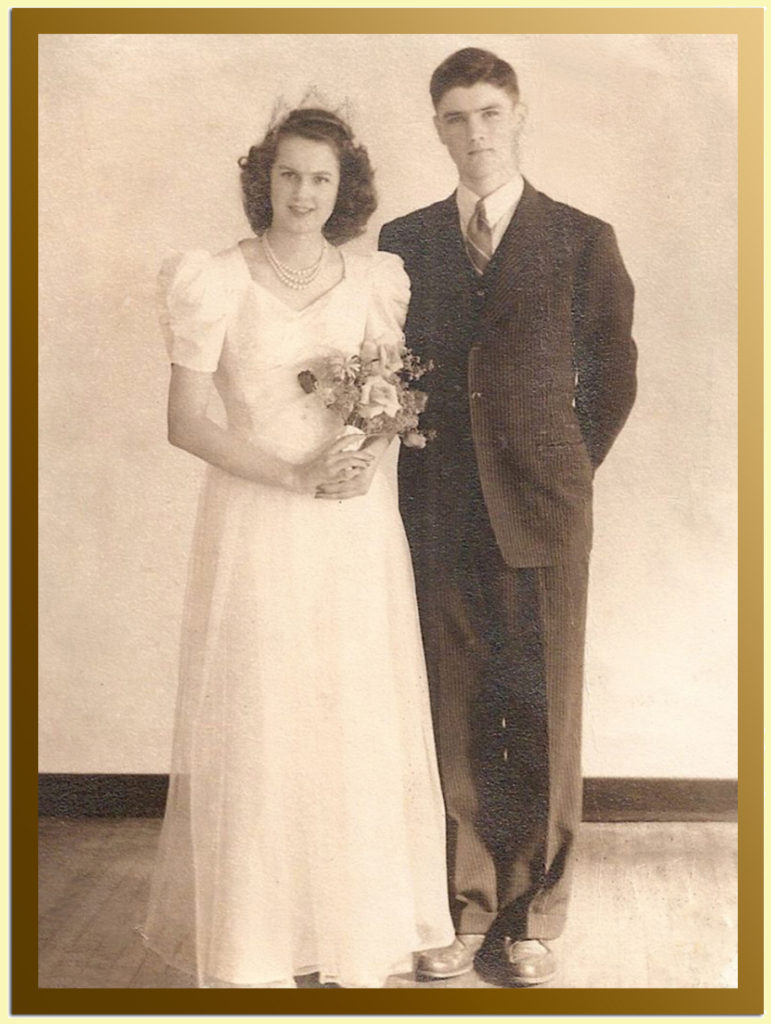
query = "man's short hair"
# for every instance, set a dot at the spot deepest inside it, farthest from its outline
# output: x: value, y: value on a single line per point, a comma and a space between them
x: 471, y: 65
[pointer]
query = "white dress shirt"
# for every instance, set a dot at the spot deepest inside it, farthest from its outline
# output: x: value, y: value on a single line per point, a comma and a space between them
x: 499, y: 206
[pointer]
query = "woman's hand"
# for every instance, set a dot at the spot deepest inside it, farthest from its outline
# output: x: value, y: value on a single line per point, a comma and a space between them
x: 333, y: 467
x: 191, y: 429
x: 356, y: 484
x: 335, y: 472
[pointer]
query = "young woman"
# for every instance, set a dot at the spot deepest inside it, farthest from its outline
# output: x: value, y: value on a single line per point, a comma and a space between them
x: 304, y: 829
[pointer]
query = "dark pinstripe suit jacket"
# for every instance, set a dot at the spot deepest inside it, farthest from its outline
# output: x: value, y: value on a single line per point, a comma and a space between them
x: 537, y: 360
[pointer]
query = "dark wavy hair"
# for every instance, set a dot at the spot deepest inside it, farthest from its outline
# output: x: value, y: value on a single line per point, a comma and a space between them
x: 469, y: 66
x: 356, y: 199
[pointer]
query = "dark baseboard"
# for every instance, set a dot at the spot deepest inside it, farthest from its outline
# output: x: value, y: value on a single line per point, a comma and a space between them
x: 605, y: 799
x: 660, y: 799
x: 101, y: 796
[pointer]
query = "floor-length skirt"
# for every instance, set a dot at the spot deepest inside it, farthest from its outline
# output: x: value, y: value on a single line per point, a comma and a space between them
x: 304, y: 829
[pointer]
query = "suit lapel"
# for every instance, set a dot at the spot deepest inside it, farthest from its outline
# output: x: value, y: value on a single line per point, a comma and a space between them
x: 521, y: 256
x: 451, y: 262
x: 521, y: 259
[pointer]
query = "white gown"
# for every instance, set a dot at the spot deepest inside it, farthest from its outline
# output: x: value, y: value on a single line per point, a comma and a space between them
x: 304, y: 829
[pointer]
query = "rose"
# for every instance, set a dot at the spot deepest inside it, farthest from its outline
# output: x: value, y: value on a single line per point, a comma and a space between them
x: 308, y: 381
x: 378, y: 396
x: 418, y: 401
x: 387, y: 357
x: 413, y: 439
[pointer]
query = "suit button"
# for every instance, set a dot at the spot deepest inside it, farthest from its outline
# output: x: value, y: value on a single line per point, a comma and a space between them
x: 481, y: 293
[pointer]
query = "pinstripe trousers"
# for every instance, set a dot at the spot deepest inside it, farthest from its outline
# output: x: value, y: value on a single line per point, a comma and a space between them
x: 504, y: 648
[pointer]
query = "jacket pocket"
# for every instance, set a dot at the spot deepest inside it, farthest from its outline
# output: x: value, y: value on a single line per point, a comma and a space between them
x: 566, y: 458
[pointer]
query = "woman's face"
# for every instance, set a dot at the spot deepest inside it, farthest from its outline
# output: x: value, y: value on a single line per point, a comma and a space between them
x: 303, y: 185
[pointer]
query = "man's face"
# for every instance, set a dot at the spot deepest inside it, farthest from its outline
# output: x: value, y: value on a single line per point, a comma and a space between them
x: 480, y: 125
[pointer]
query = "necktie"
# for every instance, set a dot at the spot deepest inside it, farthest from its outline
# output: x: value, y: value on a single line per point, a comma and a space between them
x: 479, y: 239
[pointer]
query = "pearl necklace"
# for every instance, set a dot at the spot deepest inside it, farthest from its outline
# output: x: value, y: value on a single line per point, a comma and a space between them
x: 289, y: 276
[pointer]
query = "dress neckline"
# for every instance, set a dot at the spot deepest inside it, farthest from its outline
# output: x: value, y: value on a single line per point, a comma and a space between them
x: 280, y: 302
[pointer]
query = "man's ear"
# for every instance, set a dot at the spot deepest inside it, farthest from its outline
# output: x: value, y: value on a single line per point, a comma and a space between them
x: 438, y: 126
x: 520, y: 114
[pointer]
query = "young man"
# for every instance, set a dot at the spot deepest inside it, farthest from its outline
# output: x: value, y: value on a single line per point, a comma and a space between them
x: 525, y: 308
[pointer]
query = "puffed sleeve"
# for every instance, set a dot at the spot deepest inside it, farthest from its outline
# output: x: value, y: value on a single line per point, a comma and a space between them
x: 389, y: 299
x: 194, y: 303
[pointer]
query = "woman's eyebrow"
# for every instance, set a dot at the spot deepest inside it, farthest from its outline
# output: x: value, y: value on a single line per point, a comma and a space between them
x: 288, y: 167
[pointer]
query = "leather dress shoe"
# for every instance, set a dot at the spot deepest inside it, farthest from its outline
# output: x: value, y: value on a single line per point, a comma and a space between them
x: 449, y: 961
x: 527, y: 962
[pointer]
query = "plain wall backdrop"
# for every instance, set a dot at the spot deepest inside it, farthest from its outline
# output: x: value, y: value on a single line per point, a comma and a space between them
x: 139, y: 138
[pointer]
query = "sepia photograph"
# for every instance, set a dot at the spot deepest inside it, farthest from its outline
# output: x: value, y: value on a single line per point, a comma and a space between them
x: 388, y: 404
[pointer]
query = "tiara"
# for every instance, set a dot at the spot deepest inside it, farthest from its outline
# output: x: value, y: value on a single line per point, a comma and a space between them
x: 312, y: 99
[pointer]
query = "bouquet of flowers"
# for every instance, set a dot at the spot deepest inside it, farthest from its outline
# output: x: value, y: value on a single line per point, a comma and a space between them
x: 371, y: 392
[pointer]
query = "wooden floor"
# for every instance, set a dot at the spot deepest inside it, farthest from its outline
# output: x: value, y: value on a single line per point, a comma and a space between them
x: 654, y: 906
